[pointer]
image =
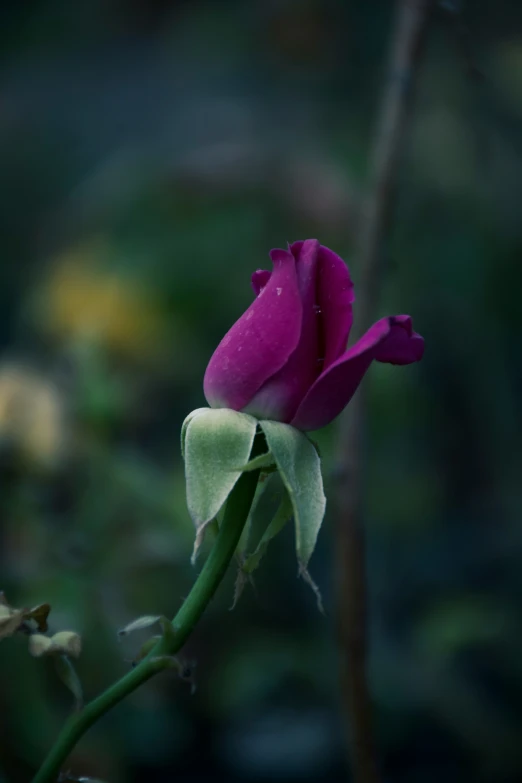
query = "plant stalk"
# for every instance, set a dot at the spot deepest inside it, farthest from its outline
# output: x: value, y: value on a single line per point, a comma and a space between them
x: 236, y: 513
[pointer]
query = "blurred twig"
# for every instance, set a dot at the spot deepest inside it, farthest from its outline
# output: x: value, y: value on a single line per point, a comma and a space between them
x: 406, y: 52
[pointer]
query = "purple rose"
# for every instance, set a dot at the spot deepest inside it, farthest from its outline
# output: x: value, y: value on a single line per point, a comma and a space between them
x: 285, y: 359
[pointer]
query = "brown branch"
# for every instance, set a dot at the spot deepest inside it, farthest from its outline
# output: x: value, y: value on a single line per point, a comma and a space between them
x: 406, y: 52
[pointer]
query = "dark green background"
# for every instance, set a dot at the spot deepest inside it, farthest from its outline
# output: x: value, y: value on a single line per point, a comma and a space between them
x: 151, y: 155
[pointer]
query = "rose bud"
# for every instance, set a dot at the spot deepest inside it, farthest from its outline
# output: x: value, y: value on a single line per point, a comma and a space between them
x: 285, y: 359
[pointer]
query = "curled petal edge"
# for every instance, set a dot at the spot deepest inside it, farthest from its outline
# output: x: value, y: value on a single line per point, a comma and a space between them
x: 389, y: 340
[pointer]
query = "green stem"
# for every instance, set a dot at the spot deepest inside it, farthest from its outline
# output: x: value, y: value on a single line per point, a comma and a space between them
x: 236, y: 513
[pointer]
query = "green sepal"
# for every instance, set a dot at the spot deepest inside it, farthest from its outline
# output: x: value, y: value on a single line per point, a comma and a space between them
x: 264, y: 462
x: 185, y: 424
x: 300, y: 467
x: 214, y: 443
x: 69, y: 676
x: 244, y: 541
x: 242, y: 577
x: 281, y: 517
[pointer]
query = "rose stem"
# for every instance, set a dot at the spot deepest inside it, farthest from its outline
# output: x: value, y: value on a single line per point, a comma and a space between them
x: 405, y: 57
x: 236, y: 513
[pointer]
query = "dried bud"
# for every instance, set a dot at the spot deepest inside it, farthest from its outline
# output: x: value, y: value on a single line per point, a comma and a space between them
x: 10, y: 620
x: 39, y: 645
x: 68, y: 642
x: 62, y: 643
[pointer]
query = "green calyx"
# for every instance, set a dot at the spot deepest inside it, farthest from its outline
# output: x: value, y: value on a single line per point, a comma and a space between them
x: 217, y: 448
x: 215, y: 443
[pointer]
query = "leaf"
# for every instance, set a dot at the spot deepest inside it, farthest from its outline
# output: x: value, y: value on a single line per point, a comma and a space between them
x: 69, y: 676
x: 168, y: 633
x: 140, y: 623
x: 40, y: 614
x: 146, y: 648
x: 184, y: 669
x: 300, y: 468
x: 216, y: 442
x: 281, y: 517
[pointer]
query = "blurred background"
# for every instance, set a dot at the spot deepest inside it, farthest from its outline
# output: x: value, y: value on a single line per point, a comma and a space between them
x: 151, y: 154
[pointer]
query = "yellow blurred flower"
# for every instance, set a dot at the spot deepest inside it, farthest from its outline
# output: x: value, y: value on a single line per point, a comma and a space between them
x: 31, y: 415
x: 86, y: 302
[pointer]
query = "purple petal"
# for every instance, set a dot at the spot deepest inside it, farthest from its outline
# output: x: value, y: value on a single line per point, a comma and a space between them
x: 260, y: 342
x: 403, y: 346
x: 259, y: 280
x: 335, y: 387
x: 334, y: 298
x: 279, y: 397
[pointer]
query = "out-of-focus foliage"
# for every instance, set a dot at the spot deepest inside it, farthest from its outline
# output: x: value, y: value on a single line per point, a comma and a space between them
x: 151, y: 154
